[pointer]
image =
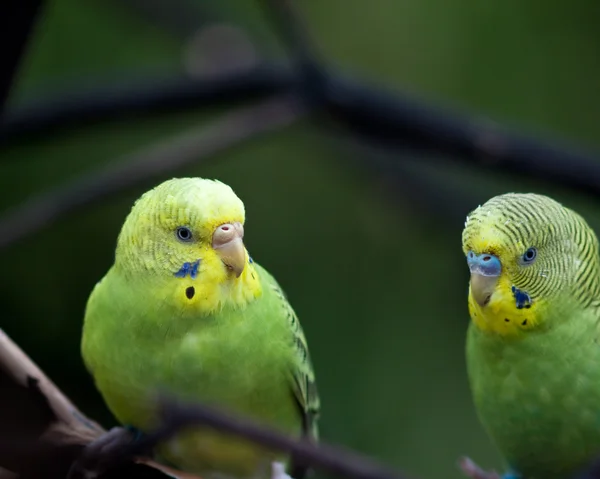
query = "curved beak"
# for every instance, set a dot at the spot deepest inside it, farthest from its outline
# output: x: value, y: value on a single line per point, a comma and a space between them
x: 485, y: 272
x: 227, y: 242
x: 482, y: 288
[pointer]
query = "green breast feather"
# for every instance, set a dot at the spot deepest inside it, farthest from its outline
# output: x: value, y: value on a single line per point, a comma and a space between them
x: 539, y: 397
x: 252, y: 360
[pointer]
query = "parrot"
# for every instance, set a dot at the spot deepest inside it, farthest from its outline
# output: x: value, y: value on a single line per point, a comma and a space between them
x: 533, y: 342
x: 185, y: 310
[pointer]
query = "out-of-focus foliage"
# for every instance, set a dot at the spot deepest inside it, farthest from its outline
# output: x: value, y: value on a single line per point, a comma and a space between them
x: 379, y: 283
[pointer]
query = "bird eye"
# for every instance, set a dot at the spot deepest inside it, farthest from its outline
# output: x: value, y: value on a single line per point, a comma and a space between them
x: 529, y: 255
x: 184, y: 234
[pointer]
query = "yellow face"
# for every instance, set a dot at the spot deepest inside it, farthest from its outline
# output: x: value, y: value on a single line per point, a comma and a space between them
x: 522, y: 250
x: 495, y: 302
x: 188, y: 234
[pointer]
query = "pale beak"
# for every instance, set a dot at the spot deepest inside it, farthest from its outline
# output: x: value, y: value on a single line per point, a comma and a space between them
x: 227, y: 242
x: 485, y: 272
x: 482, y: 288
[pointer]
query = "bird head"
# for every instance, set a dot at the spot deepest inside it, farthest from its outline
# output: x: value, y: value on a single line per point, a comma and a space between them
x: 523, y: 251
x: 190, y: 229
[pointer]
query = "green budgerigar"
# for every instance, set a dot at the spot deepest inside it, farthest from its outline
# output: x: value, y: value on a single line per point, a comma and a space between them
x: 184, y: 310
x: 533, y: 345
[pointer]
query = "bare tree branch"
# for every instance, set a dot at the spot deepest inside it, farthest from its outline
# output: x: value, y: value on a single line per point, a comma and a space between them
x: 333, y: 459
x: 381, y: 118
x: 198, y: 144
x: 389, y: 119
x: 41, y: 432
x: 143, y: 92
x: 313, y: 80
x: 178, y: 416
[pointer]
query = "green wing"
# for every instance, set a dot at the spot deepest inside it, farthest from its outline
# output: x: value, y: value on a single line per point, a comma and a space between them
x: 302, y: 375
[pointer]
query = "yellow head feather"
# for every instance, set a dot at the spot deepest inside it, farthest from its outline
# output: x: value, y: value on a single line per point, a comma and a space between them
x: 149, y: 247
x: 515, y: 228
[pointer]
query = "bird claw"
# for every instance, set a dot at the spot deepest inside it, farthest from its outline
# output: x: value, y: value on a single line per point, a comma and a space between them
x: 472, y: 470
x: 102, y: 453
x: 278, y: 471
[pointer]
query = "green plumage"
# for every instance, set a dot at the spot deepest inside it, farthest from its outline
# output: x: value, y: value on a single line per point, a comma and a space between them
x: 535, y: 371
x: 539, y: 397
x: 147, y: 332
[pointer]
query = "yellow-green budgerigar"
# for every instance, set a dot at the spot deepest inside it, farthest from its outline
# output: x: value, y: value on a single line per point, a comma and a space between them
x: 184, y: 310
x: 533, y: 345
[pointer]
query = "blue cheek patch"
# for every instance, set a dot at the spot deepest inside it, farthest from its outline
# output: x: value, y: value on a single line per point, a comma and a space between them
x: 182, y: 273
x: 522, y: 299
x: 188, y: 268
x: 194, y: 269
x: 250, y: 260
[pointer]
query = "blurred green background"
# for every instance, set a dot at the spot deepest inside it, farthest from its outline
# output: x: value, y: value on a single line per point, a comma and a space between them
x: 385, y: 310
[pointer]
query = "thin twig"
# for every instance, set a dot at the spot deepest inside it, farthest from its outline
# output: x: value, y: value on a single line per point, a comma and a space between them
x: 390, y: 119
x: 193, y: 146
x: 42, y: 432
x: 400, y: 122
x: 140, y: 93
x: 290, y: 25
x: 333, y: 459
x: 378, y: 116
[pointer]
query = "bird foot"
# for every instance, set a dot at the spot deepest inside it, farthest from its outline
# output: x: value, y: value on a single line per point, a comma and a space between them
x: 104, y: 452
x: 278, y: 471
x: 472, y: 470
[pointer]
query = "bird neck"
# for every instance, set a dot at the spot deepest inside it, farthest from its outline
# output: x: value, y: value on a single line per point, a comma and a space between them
x: 203, y: 294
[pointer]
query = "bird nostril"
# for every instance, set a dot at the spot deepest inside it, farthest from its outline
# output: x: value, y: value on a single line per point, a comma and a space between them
x: 225, y: 228
x: 487, y: 258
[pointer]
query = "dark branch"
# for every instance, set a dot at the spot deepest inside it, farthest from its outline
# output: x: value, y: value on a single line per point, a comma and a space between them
x: 198, y: 144
x: 131, y: 98
x: 401, y: 122
x: 292, y: 30
x: 42, y: 433
x: 375, y: 115
x: 335, y: 460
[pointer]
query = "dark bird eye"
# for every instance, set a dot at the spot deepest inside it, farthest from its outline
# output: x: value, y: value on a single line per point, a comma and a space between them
x: 184, y: 234
x: 529, y: 255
